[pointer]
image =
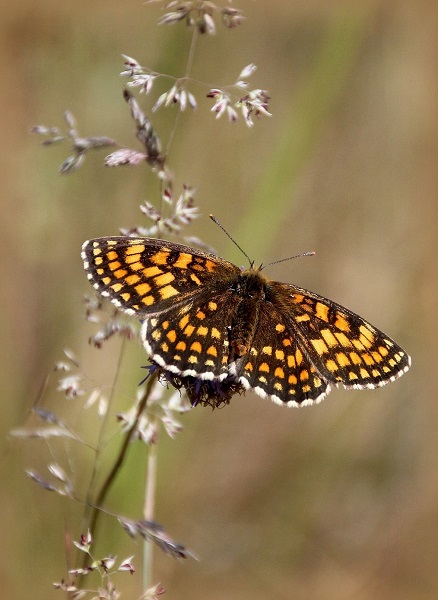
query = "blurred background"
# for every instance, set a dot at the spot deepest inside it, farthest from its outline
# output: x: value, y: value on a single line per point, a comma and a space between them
x: 334, y: 501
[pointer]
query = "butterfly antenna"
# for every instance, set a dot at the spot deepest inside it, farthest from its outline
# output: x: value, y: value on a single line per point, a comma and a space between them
x: 213, y: 218
x: 289, y: 258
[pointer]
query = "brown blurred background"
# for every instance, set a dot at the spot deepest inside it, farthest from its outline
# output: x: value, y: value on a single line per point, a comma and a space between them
x: 337, y: 501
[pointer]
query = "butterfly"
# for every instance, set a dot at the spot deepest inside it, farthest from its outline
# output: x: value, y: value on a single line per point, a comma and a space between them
x: 216, y: 329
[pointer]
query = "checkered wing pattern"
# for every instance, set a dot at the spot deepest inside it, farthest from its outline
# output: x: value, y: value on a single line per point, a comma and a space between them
x: 343, y: 348
x: 147, y: 276
x: 193, y: 339
x: 277, y: 366
x: 219, y: 330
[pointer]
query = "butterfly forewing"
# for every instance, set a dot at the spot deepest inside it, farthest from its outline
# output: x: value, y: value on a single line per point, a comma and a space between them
x: 146, y: 276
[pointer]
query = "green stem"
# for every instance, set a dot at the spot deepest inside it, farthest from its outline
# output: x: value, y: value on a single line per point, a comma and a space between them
x: 148, y: 513
x: 111, y: 477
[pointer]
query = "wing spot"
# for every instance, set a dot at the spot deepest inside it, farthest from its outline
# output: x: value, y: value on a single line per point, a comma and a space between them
x: 301, y: 318
x: 160, y: 258
x: 136, y: 266
x: 135, y: 249
x: 342, y: 359
x: 116, y: 287
x: 304, y: 375
x: 202, y: 331
x: 322, y: 311
x: 280, y: 327
x: 279, y: 373
x: 171, y: 336
x: 148, y: 300
x: 212, y: 351
x: 358, y: 344
x: 167, y: 292
x: 164, y: 279
x: 367, y: 333
x: 329, y: 338
x: 365, y: 341
x: 196, y: 347
x: 183, y: 260
x: 319, y: 346
x: 189, y: 330
x: 142, y: 289
x: 267, y: 350
x: 132, y: 279
x: 341, y: 322
x: 279, y: 354
x: 264, y: 367
x: 151, y: 271
x: 355, y: 358
x: 212, y: 306
x: 331, y: 366
x: 200, y: 315
x: 343, y: 339
x: 364, y: 373
x: 368, y: 359
x: 183, y: 322
x: 291, y: 363
x: 181, y: 346
x: 215, y: 333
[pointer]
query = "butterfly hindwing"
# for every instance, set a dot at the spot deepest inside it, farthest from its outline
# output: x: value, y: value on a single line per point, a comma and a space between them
x: 344, y: 348
x: 276, y: 366
x: 192, y: 340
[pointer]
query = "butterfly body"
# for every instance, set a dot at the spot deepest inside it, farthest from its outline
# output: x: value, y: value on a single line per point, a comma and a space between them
x: 219, y: 328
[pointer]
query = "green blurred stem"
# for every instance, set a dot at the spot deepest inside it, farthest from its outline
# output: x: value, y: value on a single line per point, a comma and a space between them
x: 302, y: 129
x: 112, y: 475
x: 148, y: 513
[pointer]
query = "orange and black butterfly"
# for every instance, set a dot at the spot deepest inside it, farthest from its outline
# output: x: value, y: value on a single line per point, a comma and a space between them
x: 217, y: 330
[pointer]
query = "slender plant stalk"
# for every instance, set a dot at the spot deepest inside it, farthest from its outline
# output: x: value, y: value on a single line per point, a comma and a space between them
x: 100, y: 443
x: 148, y: 513
x: 111, y: 477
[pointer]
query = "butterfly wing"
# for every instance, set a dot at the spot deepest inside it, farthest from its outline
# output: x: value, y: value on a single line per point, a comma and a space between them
x: 277, y: 367
x: 343, y: 347
x: 192, y: 340
x: 146, y: 276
